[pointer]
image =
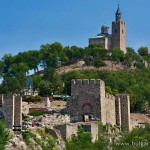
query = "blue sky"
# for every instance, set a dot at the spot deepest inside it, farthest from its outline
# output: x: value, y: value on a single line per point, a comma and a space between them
x: 27, y: 24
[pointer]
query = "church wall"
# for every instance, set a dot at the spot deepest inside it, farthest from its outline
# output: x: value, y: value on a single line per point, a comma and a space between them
x: 97, y: 40
x: 104, y: 41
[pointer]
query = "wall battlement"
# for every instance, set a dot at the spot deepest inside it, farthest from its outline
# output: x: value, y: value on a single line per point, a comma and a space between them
x: 67, y: 130
x: 86, y: 82
x: 123, y: 96
x: 121, y: 22
x: 89, y: 101
x: 109, y: 96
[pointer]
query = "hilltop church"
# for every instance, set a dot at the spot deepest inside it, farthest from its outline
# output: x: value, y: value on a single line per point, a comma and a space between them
x: 115, y: 40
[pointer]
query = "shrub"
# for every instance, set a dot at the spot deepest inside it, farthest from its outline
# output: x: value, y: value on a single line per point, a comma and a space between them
x: 4, y: 135
x: 33, y: 99
x: 99, y: 63
x: 83, y: 141
x: 38, y: 112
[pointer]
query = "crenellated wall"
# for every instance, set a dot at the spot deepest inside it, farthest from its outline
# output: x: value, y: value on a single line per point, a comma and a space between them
x: 89, y: 100
x: 85, y: 95
x: 68, y: 130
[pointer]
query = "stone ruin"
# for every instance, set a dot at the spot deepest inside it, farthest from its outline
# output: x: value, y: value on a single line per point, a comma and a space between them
x: 71, y: 129
x: 11, y: 110
x: 90, y: 102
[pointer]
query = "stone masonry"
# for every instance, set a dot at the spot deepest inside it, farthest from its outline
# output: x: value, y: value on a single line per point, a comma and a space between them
x: 11, y: 110
x: 117, y: 39
x: 70, y: 129
x: 90, y: 102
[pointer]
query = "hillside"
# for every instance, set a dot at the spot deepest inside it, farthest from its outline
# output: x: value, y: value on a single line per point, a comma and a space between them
x: 80, y: 65
x: 56, y: 62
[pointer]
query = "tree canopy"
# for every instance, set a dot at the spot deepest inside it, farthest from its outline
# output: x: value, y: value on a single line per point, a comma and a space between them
x: 14, y: 70
x: 4, y: 135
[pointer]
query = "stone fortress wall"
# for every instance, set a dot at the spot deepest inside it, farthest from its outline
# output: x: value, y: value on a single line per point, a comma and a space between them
x: 90, y: 102
x: 71, y: 129
x: 11, y: 109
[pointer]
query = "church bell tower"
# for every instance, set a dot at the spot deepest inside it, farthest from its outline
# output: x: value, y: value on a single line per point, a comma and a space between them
x: 119, y: 32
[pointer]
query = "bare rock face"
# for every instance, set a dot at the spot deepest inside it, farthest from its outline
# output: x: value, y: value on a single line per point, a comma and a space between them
x: 16, y: 143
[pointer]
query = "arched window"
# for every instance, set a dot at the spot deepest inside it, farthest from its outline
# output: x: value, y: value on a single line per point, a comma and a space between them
x: 122, y: 31
x: 115, y: 30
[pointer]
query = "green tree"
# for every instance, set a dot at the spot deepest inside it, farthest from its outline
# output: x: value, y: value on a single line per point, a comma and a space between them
x: 77, y: 52
x: 100, y: 53
x: 69, y: 53
x: 99, y: 63
x: 66, y: 78
x: 117, y: 55
x: 63, y: 58
x: 31, y: 58
x: 83, y: 141
x: 91, y: 46
x: 44, y: 88
x: 130, y: 57
x: 1, y: 69
x: 137, y: 139
x: 36, y: 81
x: 10, y: 85
x: 4, y: 135
x: 50, y: 54
x: 56, y: 84
x: 143, y: 51
x: 108, y: 90
x: 56, y: 48
x: 49, y: 74
x: 7, y: 60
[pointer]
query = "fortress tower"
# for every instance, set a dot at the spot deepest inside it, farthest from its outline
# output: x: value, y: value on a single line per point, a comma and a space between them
x: 119, y: 32
x: 90, y: 102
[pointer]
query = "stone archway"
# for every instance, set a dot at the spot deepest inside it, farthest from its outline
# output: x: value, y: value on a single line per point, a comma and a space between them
x: 2, y: 115
x: 87, y: 110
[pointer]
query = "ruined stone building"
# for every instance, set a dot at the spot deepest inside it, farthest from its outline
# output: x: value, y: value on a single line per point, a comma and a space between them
x: 90, y: 102
x: 11, y: 110
x: 67, y: 130
x: 117, y: 39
